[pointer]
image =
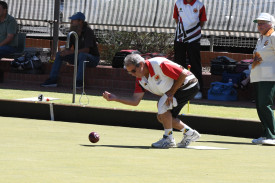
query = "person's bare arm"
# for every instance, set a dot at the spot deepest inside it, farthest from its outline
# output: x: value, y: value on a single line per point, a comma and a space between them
x: 71, y: 51
x: 202, y: 24
x: 84, y: 50
x: 133, y: 100
x: 8, y: 39
x: 177, y: 84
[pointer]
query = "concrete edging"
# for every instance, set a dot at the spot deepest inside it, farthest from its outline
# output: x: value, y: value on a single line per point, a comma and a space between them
x: 116, y: 117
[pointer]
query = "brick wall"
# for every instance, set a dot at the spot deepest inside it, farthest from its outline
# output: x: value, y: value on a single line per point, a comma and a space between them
x: 99, y: 77
x: 207, y: 56
x: 41, y: 43
x: 45, y: 43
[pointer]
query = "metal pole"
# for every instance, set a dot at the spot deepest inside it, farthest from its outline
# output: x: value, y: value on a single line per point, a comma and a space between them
x: 212, y: 43
x: 55, y: 28
x: 75, y: 59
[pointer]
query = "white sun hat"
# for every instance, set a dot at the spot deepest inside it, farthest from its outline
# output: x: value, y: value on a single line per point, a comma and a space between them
x: 265, y: 17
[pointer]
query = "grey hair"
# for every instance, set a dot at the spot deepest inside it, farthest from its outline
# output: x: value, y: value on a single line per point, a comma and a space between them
x: 133, y: 59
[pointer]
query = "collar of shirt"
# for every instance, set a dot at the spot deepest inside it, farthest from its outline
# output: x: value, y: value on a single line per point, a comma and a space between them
x: 191, y: 3
x: 269, y: 32
x: 150, y: 68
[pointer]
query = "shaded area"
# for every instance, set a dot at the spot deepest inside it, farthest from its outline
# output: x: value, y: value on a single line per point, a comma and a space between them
x: 119, y: 146
x: 119, y: 117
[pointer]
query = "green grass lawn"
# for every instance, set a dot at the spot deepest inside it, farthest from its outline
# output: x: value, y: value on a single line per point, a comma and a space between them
x: 145, y: 105
x: 48, y: 151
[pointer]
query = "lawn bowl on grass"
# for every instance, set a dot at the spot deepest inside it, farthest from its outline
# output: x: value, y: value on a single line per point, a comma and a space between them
x: 94, y: 137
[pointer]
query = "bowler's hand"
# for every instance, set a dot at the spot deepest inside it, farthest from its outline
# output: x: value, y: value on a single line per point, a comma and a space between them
x: 108, y: 96
x: 257, y: 59
x: 169, y: 98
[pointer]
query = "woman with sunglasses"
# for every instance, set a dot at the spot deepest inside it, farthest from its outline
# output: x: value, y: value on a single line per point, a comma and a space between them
x: 174, y: 84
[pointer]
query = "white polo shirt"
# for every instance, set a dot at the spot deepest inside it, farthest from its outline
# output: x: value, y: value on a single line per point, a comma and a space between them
x: 162, y: 73
x: 265, y: 50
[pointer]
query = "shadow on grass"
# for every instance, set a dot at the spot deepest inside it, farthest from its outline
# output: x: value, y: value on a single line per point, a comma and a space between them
x: 223, y: 142
x: 120, y: 146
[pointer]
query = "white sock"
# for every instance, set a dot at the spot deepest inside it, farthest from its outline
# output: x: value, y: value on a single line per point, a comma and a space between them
x: 187, y: 130
x: 168, y: 133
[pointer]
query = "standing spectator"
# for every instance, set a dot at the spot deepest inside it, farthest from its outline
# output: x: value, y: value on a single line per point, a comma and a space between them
x: 175, y: 86
x: 190, y: 17
x: 262, y: 77
x: 87, y: 51
x: 8, y: 32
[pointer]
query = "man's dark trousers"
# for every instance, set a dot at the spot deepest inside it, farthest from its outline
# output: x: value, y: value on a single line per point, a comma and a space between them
x: 193, y: 52
x: 264, y: 96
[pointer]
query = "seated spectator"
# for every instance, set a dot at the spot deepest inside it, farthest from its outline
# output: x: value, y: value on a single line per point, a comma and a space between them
x: 8, y: 32
x: 87, y: 51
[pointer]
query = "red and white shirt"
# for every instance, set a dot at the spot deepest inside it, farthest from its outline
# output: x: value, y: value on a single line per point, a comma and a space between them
x: 189, y: 16
x: 162, y: 73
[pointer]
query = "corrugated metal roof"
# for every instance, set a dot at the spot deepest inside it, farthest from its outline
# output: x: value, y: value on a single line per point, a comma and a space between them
x: 225, y: 17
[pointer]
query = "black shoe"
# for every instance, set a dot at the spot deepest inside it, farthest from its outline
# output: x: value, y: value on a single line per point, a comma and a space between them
x: 79, y: 84
x: 49, y: 83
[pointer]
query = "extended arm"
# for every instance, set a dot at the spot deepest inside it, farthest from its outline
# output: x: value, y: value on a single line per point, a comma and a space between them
x: 134, y: 100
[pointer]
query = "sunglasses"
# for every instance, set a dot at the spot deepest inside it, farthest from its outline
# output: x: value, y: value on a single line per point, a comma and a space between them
x: 133, y: 71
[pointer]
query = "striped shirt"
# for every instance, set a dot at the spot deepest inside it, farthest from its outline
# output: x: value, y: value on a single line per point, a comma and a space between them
x: 189, y: 16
